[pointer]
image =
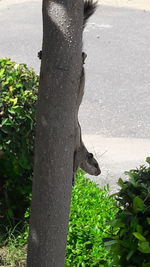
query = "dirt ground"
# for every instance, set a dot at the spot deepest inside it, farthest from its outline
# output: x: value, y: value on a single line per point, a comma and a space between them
x: 136, y: 4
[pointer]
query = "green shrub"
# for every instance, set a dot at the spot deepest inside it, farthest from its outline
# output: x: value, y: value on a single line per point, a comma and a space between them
x: 91, y: 211
x: 131, y: 245
x: 18, y: 95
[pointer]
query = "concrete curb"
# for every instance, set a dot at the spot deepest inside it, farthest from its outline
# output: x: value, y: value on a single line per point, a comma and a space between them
x: 115, y: 156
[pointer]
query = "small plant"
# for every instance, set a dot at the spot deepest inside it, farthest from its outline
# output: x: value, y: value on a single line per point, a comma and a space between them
x: 92, y: 209
x: 18, y: 95
x: 131, y: 245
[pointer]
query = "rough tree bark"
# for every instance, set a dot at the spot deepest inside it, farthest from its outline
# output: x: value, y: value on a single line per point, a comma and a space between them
x: 59, y: 78
x: 59, y: 146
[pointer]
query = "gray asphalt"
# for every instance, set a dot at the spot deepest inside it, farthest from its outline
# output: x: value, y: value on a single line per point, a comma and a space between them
x: 117, y: 96
x: 118, y: 74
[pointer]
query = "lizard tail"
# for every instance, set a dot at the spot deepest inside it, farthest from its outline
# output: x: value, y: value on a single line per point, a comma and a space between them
x: 89, y: 8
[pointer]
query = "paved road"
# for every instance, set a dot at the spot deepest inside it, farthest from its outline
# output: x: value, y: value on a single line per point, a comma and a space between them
x: 115, y: 113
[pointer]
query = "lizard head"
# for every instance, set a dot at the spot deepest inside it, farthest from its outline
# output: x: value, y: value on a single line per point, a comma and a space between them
x: 90, y: 165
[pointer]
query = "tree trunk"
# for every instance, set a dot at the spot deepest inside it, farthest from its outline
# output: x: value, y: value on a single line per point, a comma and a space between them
x: 59, y: 78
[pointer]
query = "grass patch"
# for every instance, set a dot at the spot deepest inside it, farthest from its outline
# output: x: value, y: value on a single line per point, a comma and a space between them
x: 13, y: 256
x: 13, y: 247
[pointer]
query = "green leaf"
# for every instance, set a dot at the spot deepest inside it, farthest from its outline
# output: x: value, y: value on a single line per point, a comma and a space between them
x: 139, y: 228
x: 16, y: 66
x: 8, y: 142
x: 148, y: 160
x: 144, y: 247
x: 120, y: 183
x: 6, y: 122
x: 11, y: 111
x: 139, y: 236
x: 138, y: 204
x: 10, y: 212
x: 130, y: 255
x: 146, y: 265
x: 24, y: 161
x: 148, y: 220
x: 18, y: 85
x: 14, y: 100
x: 110, y: 243
x: 2, y: 72
x: 27, y: 214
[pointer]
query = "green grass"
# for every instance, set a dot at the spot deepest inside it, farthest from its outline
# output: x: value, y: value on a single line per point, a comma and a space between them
x: 13, y: 255
x: 13, y: 247
x: 92, y: 209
